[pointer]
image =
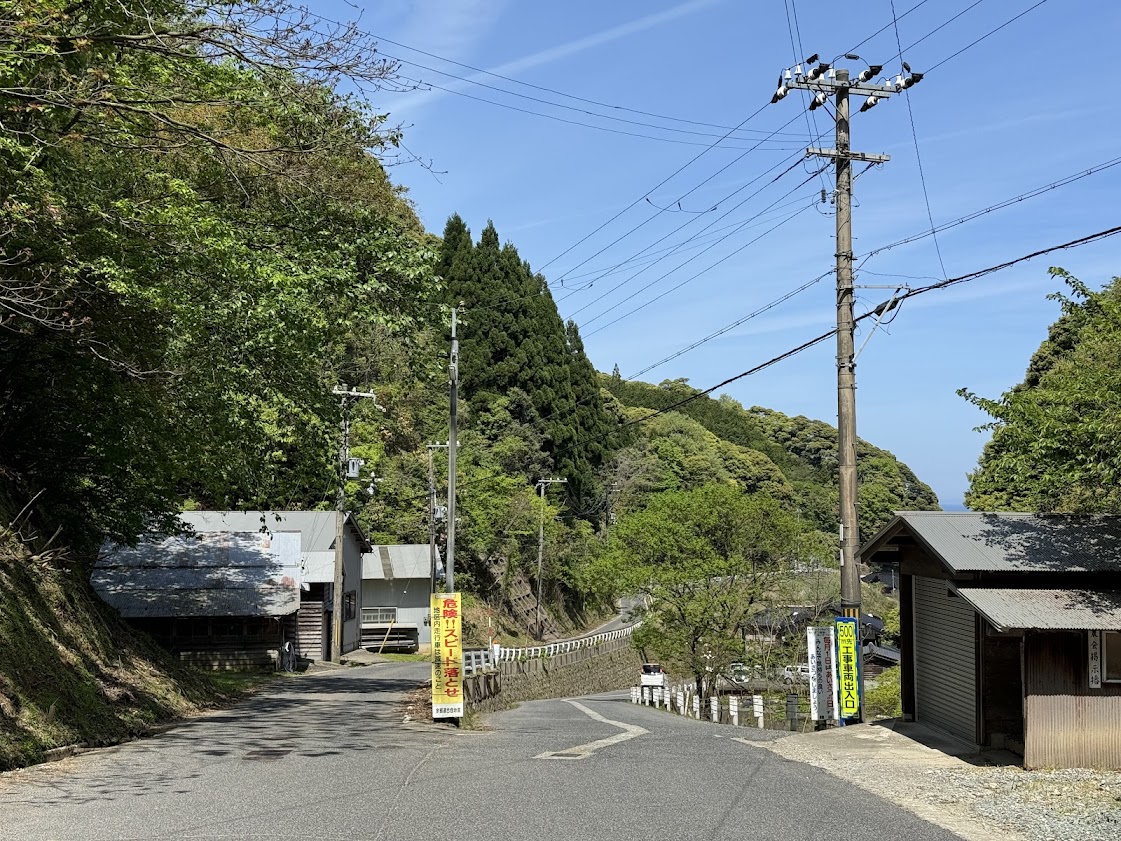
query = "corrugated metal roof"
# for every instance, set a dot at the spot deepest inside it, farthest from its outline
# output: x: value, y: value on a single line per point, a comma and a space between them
x: 316, y: 528
x: 1052, y: 610
x: 216, y: 574
x: 407, y: 560
x: 1004, y: 542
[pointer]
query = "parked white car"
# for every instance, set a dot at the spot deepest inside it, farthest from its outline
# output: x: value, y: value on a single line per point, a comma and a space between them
x: 798, y: 673
x: 653, y: 675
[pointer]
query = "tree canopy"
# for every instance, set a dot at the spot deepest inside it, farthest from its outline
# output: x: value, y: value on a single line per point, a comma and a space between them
x: 1056, y: 442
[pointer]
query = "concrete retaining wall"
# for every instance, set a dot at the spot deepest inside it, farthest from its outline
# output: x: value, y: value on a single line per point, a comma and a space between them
x: 610, y: 665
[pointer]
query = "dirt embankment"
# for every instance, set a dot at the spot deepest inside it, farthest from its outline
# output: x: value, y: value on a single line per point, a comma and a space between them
x: 71, y: 672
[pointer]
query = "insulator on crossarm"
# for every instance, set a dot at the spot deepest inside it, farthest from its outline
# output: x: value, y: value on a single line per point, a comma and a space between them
x: 871, y: 73
x: 819, y: 100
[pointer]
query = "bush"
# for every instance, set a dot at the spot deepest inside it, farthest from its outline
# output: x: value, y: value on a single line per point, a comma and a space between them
x: 884, y: 699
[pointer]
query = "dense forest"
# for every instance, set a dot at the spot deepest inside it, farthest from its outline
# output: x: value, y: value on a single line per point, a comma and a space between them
x: 201, y: 240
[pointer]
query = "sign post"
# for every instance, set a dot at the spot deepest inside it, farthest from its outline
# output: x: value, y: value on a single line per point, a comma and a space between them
x: 447, y: 656
x: 823, y: 687
x: 847, y: 632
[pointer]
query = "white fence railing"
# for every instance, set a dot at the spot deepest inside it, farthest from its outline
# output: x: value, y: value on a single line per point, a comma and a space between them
x: 477, y: 660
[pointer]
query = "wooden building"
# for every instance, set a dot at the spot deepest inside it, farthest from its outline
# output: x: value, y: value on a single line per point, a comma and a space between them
x: 222, y: 600
x: 310, y: 629
x: 1011, y: 630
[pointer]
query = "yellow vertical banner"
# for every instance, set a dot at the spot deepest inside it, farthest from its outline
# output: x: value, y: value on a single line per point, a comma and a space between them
x: 848, y: 667
x: 447, y: 656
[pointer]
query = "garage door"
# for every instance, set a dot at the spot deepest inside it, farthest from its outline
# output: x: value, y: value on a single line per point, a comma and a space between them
x: 945, y: 660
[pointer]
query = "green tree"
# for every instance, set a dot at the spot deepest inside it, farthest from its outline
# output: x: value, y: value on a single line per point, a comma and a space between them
x: 702, y: 559
x: 194, y: 222
x: 1056, y: 443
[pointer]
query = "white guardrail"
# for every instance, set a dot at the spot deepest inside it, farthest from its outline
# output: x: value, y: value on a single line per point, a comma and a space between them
x: 477, y: 660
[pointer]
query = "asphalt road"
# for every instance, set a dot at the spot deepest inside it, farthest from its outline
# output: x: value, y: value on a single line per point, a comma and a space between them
x: 329, y: 756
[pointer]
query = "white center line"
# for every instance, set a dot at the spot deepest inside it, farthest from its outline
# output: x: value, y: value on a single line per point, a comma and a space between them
x: 630, y: 731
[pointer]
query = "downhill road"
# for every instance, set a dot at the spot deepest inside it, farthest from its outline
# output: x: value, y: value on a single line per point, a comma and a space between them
x: 329, y: 756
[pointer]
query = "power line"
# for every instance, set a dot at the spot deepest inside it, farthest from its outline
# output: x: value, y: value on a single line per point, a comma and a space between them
x: 713, y: 222
x: 698, y: 274
x: 1075, y: 243
x: 690, y: 279
x: 969, y: 217
x: 684, y: 195
x: 918, y: 155
x: 567, y: 121
x: 986, y: 35
x: 738, y: 322
x: 657, y: 186
x: 560, y: 104
x: 546, y: 89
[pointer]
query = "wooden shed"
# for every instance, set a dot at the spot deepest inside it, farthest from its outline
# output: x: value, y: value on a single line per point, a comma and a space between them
x: 1011, y: 630
x: 220, y: 599
x: 310, y: 628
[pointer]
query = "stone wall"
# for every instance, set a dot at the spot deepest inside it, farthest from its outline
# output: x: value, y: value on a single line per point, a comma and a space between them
x: 611, y: 665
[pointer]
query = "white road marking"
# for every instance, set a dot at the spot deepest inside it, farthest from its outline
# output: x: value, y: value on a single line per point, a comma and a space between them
x: 630, y: 731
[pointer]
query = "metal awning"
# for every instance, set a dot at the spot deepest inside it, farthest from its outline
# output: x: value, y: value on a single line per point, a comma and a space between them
x: 1049, y: 610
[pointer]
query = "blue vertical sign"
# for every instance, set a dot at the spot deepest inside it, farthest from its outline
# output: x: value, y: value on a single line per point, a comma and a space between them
x: 847, y: 636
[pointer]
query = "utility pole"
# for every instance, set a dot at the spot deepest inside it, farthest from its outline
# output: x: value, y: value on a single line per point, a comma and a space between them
x: 453, y: 420
x: 823, y: 81
x: 432, y: 516
x: 346, y: 396
x: 541, y: 483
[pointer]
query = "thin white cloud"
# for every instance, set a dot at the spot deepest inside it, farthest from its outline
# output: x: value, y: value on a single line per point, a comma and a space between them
x: 450, y: 27
x: 546, y: 56
x: 615, y: 33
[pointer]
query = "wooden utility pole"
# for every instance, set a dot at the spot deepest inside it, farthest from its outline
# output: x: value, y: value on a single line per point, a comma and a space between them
x: 453, y: 420
x: 432, y: 516
x: 822, y: 81
x: 541, y: 483
x: 346, y: 396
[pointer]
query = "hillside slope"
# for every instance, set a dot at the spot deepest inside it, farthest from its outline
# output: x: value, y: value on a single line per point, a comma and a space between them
x: 71, y: 672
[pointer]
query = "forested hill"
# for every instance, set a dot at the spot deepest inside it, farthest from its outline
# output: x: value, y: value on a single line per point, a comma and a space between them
x: 795, y: 457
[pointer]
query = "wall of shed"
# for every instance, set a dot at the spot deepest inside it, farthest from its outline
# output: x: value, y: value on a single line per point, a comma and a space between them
x: 352, y: 582
x: 1067, y: 724
x: 219, y: 642
x: 1002, y: 691
x: 409, y: 595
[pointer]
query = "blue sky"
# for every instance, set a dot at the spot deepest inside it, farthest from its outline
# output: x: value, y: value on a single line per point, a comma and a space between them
x: 1029, y: 105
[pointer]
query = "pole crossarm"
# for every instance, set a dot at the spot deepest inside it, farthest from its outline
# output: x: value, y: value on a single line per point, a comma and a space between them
x: 834, y: 86
x: 867, y: 157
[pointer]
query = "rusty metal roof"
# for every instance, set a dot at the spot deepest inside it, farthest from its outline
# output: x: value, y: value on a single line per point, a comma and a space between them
x: 215, y: 574
x: 1006, y: 542
x: 1052, y: 610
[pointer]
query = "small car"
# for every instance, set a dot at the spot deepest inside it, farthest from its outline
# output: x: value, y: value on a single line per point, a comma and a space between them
x: 653, y: 675
x: 798, y: 673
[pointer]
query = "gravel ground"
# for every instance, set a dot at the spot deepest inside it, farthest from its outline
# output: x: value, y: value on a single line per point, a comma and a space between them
x: 980, y: 802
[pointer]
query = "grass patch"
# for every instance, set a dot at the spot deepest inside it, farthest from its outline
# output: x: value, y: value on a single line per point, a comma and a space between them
x: 234, y: 685
x: 411, y: 657
x: 71, y: 672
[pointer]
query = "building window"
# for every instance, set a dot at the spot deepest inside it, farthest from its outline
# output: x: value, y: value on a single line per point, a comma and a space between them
x: 1111, y: 656
x: 350, y: 605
